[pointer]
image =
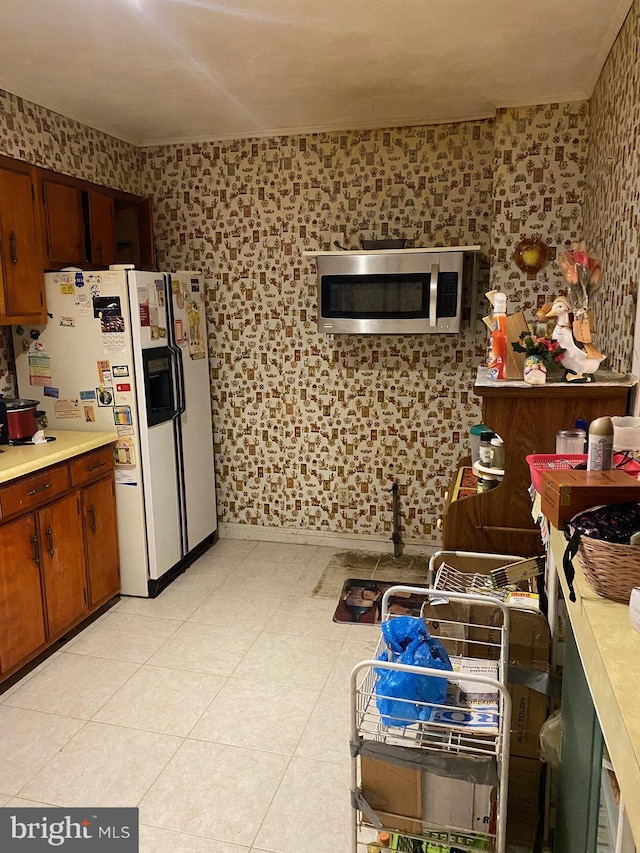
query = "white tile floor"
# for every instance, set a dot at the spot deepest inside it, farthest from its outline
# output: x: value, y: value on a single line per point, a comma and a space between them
x: 219, y: 708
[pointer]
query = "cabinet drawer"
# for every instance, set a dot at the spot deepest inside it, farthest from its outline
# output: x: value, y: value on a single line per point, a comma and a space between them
x: 34, y: 490
x: 91, y: 465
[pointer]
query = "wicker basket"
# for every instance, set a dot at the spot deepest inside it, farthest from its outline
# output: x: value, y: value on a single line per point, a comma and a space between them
x: 611, y: 570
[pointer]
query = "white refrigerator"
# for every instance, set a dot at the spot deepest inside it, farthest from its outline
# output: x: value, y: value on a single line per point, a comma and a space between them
x: 126, y: 351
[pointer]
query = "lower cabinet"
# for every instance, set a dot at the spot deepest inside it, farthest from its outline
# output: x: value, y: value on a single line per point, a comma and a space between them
x: 100, y: 534
x: 580, y: 768
x: 62, y: 562
x: 22, y: 620
x: 58, y: 553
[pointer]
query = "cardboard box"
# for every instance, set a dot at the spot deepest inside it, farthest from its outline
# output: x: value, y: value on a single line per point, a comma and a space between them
x: 529, y: 647
x: 566, y: 493
x: 393, y: 790
x: 529, y: 635
x: 452, y: 802
x: 529, y: 710
x: 523, y: 801
x: 476, y: 705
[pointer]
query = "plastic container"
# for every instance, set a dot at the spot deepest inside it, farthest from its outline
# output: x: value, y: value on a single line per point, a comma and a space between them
x: 474, y: 438
x: 485, y: 454
x: 498, y: 357
x: 570, y: 440
x: 487, y: 478
x: 486, y: 482
x: 626, y: 433
x: 539, y: 462
x: 600, y: 445
x: 497, y: 452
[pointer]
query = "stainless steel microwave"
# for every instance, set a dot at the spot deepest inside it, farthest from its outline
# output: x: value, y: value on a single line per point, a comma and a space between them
x: 393, y: 291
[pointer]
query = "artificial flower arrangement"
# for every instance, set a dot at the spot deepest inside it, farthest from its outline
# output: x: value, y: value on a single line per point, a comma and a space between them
x: 540, y: 353
x: 583, y: 274
x: 546, y: 350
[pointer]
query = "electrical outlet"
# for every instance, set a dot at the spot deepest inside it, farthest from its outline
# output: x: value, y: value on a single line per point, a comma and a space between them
x: 343, y: 495
x: 337, y: 237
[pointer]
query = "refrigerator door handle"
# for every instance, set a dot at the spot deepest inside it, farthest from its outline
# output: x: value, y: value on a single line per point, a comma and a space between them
x: 177, y: 382
x: 182, y: 397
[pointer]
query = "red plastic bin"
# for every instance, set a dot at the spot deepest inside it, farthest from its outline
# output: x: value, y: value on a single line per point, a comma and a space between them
x: 539, y: 462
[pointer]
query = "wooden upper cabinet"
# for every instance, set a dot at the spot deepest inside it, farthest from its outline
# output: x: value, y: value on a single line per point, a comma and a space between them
x: 49, y: 221
x: 92, y: 227
x: 21, y: 260
x: 64, y: 222
x: 102, y: 228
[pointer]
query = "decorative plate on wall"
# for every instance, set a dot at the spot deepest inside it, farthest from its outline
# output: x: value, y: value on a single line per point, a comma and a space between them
x: 531, y: 254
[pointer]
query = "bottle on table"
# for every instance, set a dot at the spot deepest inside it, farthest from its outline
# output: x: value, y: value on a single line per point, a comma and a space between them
x: 498, y: 357
x: 485, y: 453
x: 600, y: 445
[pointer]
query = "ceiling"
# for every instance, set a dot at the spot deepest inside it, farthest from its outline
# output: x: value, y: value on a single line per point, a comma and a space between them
x: 154, y: 71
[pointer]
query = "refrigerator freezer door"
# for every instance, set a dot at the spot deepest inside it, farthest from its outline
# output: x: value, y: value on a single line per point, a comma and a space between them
x: 190, y: 336
x: 148, y: 294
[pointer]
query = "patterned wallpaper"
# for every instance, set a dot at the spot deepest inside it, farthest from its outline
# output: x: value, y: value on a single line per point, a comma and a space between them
x: 612, y: 194
x: 53, y: 141
x: 297, y: 413
x: 538, y: 185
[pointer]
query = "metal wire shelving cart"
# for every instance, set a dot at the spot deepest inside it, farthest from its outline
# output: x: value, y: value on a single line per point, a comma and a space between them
x: 467, y: 738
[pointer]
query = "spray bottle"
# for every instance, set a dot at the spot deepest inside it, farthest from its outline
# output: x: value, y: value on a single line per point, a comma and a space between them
x: 498, y: 356
x: 600, y: 445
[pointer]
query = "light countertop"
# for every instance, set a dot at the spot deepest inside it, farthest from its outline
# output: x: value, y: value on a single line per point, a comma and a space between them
x: 25, y: 459
x: 610, y: 653
x: 601, y: 379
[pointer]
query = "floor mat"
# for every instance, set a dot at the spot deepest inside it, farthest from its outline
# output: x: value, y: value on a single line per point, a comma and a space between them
x: 360, y: 602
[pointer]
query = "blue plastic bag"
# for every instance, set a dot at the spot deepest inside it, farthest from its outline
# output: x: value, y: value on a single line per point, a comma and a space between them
x: 409, y: 642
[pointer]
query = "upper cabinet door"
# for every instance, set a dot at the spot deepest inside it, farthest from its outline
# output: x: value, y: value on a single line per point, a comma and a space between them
x: 64, y: 222
x: 134, y: 232
x: 144, y: 217
x: 21, y: 260
x: 102, y: 228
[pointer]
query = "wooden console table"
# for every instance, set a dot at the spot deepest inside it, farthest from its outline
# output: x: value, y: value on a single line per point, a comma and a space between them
x: 527, y: 418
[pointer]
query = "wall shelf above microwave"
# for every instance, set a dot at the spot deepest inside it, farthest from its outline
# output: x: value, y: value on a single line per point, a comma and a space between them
x: 394, y: 291
x: 315, y: 253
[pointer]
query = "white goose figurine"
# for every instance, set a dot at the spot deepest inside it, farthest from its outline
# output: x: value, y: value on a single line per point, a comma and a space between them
x: 577, y: 363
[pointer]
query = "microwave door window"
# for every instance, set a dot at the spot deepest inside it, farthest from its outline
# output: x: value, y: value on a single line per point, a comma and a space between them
x: 402, y: 296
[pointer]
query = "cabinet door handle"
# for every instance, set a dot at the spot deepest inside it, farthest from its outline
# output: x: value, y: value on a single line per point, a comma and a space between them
x: 35, y: 550
x: 92, y: 518
x: 13, y: 251
x: 99, y: 464
x: 99, y: 247
x: 42, y: 488
x: 50, y: 540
